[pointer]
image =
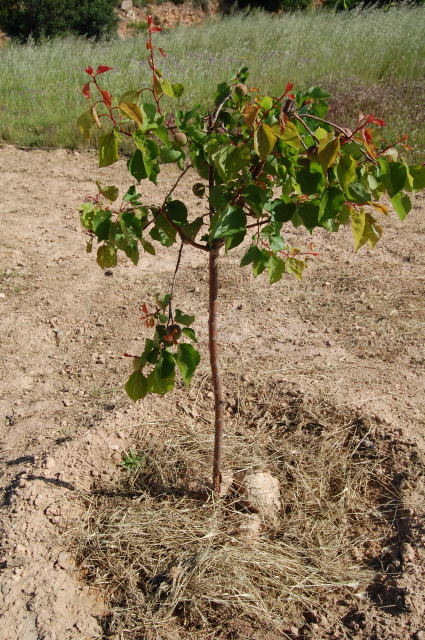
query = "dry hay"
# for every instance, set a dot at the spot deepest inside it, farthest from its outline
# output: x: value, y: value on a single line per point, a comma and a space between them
x: 165, y: 549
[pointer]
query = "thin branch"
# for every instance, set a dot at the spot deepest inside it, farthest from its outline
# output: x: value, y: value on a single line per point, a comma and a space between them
x: 305, y: 125
x: 258, y: 223
x: 214, y: 115
x: 170, y: 311
x: 332, y: 124
x: 185, y: 170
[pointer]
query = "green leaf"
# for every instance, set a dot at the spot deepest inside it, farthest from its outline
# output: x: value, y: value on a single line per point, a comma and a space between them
x: 178, y: 89
x: 331, y: 204
x: 132, y: 196
x: 163, y: 232
x: 110, y: 193
x: 189, y: 333
x: 393, y: 176
x: 85, y: 124
x: 317, y: 92
x: 161, y: 379
x: 102, y: 224
x: 289, y: 136
x: 260, y: 263
x: 401, y: 204
x: 142, y: 143
x: 219, y: 197
x: 346, y: 170
x: 418, y: 174
x: 372, y: 231
x: 108, y: 149
x: 236, y: 159
x: 170, y: 154
x: 231, y: 223
x: 327, y: 151
x: 295, y: 266
x: 272, y: 233
x: 264, y: 141
x: 131, y: 96
x: 309, y: 214
x: 358, y: 193
x: 283, y: 211
x: 106, y: 256
x: 276, y: 268
x: 87, y: 213
x: 358, y: 221
x: 136, y: 166
x: 167, y: 87
x: 177, y: 211
x: 136, y: 386
x: 309, y: 180
x: 256, y: 197
x: 192, y: 229
x: 252, y: 255
x: 187, y: 358
x: 183, y: 318
x: 132, y: 111
x: 147, y: 247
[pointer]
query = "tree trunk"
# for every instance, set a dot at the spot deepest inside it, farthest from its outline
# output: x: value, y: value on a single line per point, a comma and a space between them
x: 212, y: 344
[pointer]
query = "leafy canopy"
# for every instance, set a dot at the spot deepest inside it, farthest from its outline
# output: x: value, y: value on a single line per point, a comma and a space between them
x: 261, y: 162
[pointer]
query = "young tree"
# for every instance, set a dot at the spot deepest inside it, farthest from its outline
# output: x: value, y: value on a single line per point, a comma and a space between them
x: 262, y: 162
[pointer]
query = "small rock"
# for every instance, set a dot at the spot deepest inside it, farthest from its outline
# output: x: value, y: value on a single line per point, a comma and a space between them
x: 248, y: 527
x: 100, y: 359
x: 259, y: 492
x: 66, y: 403
x: 63, y: 560
x: 49, y: 463
x: 130, y: 15
x: 2, y: 296
x: 5, y: 589
x: 419, y: 635
x: 126, y: 4
x: 17, y: 561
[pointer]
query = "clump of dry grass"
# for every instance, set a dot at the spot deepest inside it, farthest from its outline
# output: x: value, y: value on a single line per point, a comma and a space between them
x: 165, y: 548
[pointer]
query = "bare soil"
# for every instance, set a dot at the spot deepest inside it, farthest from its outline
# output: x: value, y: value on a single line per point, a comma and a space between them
x: 351, y: 334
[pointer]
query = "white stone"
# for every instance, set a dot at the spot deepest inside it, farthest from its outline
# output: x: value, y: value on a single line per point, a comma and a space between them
x: 259, y: 491
x: 126, y: 4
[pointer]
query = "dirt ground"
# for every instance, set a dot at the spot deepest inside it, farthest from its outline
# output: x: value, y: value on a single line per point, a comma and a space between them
x: 352, y: 332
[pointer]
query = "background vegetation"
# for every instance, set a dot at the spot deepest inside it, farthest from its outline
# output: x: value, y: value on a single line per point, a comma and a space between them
x: 371, y: 61
x: 38, y: 19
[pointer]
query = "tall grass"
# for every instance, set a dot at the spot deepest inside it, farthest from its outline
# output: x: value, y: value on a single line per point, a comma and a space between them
x: 370, y: 60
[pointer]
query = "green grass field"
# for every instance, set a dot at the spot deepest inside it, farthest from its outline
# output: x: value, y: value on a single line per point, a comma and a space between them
x: 371, y: 61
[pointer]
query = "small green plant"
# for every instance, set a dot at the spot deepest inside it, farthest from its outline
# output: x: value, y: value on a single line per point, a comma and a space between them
x: 262, y: 162
x: 131, y: 460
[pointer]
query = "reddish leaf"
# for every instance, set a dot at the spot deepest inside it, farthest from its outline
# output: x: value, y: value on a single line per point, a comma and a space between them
x: 102, y: 68
x: 367, y: 136
x: 107, y: 98
x: 145, y: 308
x: 153, y: 29
x: 89, y: 70
x: 291, y: 95
x: 86, y: 90
x: 148, y: 44
x: 150, y: 20
x: 162, y: 52
x: 379, y: 122
x: 289, y: 87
